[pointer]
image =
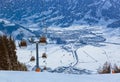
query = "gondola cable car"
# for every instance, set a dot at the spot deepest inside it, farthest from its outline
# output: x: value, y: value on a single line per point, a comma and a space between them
x: 32, y: 58
x: 22, y: 43
x: 44, y: 55
x: 43, y: 40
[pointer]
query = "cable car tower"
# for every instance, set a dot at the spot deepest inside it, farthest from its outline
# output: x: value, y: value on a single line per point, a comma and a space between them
x: 42, y: 40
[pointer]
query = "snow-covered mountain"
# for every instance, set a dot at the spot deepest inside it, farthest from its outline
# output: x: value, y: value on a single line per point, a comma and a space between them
x: 76, y: 49
x: 14, y: 30
x: 37, y: 13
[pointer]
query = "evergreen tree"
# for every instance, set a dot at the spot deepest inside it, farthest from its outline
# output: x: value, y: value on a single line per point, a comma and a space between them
x: 116, y: 69
x: 105, y: 69
x: 4, y: 60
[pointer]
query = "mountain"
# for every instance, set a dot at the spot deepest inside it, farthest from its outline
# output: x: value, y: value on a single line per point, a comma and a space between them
x: 15, y: 30
x: 82, y: 47
x: 39, y: 13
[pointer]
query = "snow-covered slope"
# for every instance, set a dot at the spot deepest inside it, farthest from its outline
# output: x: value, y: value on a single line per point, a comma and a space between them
x: 74, y: 48
x: 54, y: 77
x: 81, y: 49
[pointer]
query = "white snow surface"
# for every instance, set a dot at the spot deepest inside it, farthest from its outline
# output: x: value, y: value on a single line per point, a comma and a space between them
x: 13, y: 76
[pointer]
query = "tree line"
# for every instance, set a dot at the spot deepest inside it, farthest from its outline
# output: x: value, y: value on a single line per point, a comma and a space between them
x: 8, y: 57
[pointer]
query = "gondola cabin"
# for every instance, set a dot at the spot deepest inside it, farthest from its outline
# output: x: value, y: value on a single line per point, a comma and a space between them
x: 23, y: 43
x: 32, y: 58
x: 43, y: 40
x: 44, y: 55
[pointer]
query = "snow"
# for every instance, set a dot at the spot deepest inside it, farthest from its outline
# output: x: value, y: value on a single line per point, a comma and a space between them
x: 7, y: 23
x: 107, y: 5
x: 98, y: 56
x: 14, y: 76
x: 89, y: 57
x: 56, y: 56
x: 56, y: 18
x: 23, y: 31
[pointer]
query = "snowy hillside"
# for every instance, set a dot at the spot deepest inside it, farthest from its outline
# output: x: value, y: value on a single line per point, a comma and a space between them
x: 76, y: 49
x: 81, y: 51
x: 15, y: 30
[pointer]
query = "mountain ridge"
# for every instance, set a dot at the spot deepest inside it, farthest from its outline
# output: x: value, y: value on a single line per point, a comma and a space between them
x: 42, y: 13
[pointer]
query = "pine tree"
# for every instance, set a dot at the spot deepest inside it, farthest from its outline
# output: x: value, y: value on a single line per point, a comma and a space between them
x: 116, y: 69
x: 105, y: 69
x: 12, y: 54
x: 4, y: 60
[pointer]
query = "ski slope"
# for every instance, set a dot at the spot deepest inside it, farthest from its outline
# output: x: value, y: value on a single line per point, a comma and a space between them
x: 14, y: 76
x: 89, y: 57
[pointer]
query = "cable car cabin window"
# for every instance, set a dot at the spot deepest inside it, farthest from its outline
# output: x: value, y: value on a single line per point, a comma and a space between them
x: 23, y: 44
x: 43, y: 39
